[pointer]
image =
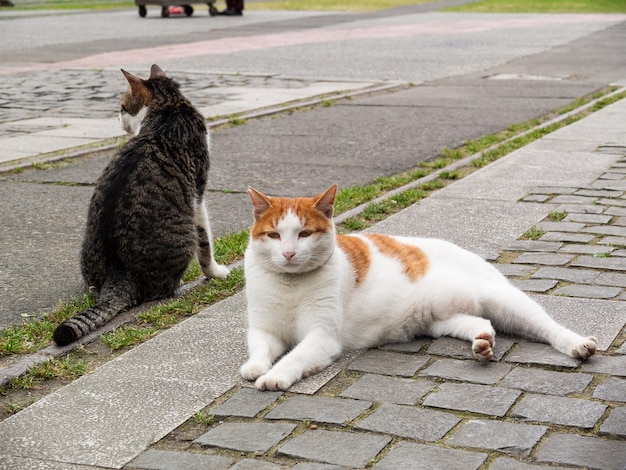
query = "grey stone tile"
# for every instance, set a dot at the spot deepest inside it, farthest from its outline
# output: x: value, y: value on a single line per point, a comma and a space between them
x: 388, y: 363
x: 559, y: 410
x: 566, y: 274
x: 546, y: 381
x: 560, y: 226
x: 409, y: 455
x: 447, y: 346
x: 612, y: 389
x: 611, y: 176
x: 381, y: 388
x: 349, y: 449
x: 534, y: 285
x: 253, y: 464
x: 619, y: 211
x: 573, y: 199
x: 539, y: 353
x: 613, y: 365
x: 483, y: 399
x: 583, y: 451
x: 409, y: 422
x: 316, y: 466
x: 553, y: 190
x: 246, y: 437
x: 154, y: 459
x: 588, y: 218
x: 533, y: 245
x: 581, y: 208
x: 320, y: 409
x: 413, y: 346
x: 615, y: 424
x: 247, y: 402
x: 549, y: 259
x: 514, y: 269
x: 610, y: 240
x: 611, y: 263
x: 589, y: 292
x: 613, y: 230
x: 503, y: 463
x: 567, y: 237
x: 468, y: 371
x: 508, y: 438
x: 586, y: 249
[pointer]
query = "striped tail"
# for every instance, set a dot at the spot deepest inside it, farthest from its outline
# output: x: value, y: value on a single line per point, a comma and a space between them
x: 115, y: 298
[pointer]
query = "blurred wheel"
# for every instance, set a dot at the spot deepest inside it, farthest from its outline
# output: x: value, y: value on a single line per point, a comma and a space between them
x: 188, y: 10
x: 143, y: 11
x: 165, y: 12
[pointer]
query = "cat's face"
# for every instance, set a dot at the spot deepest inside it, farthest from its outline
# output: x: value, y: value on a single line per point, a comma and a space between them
x: 293, y: 235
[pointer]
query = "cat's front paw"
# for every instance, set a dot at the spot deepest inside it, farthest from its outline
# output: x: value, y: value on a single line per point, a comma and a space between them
x: 586, y: 349
x: 483, y: 346
x: 252, y: 370
x: 273, y: 381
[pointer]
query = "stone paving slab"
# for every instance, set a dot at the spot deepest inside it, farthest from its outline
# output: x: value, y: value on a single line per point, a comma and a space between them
x: 319, y: 409
x: 583, y: 451
x: 481, y: 399
x: 409, y: 422
x: 348, y: 449
x: 474, y: 372
x: 559, y: 410
x: 380, y: 388
x: 508, y: 438
x: 246, y: 437
x: 425, y: 457
x: 158, y: 459
x: 546, y: 381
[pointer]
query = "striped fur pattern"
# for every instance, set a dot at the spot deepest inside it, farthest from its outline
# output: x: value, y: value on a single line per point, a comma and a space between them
x: 313, y: 294
x: 147, y: 218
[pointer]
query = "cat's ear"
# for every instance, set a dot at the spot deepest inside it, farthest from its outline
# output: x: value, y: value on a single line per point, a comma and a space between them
x: 324, y: 202
x: 260, y: 202
x: 156, y: 72
x: 136, y: 83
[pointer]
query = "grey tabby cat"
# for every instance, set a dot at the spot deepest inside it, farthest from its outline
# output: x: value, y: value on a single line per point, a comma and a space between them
x: 147, y: 217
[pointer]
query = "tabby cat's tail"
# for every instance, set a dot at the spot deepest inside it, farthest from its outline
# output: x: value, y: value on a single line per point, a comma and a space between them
x: 115, y: 297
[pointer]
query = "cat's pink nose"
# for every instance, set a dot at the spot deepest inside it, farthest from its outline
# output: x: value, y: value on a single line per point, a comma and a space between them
x: 289, y: 254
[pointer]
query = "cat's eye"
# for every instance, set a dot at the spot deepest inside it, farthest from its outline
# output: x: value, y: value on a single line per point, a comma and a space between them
x: 305, y: 233
x: 274, y: 235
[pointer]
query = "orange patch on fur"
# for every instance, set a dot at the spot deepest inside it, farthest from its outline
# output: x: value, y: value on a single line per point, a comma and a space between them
x: 413, y: 259
x: 304, y: 208
x: 358, y: 254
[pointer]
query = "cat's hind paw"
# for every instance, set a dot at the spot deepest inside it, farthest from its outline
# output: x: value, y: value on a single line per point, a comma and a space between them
x: 253, y: 370
x: 482, y: 347
x: 585, y: 349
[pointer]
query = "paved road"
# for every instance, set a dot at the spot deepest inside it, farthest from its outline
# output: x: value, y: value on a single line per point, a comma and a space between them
x: 457, y: 77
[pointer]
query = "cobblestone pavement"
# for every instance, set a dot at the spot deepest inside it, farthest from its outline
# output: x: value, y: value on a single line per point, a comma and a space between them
x: 44, y: 112
x: 429, y: 404
x: 93, y: 93
x: 579, y: 250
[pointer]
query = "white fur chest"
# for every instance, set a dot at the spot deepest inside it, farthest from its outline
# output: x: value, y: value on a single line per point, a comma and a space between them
x: 289, y: 305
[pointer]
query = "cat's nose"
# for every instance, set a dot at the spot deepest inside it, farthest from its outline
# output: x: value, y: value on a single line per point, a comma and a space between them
x: 289, y: 254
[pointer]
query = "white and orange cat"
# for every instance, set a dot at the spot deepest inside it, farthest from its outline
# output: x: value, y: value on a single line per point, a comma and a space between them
x: 314, y: 293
